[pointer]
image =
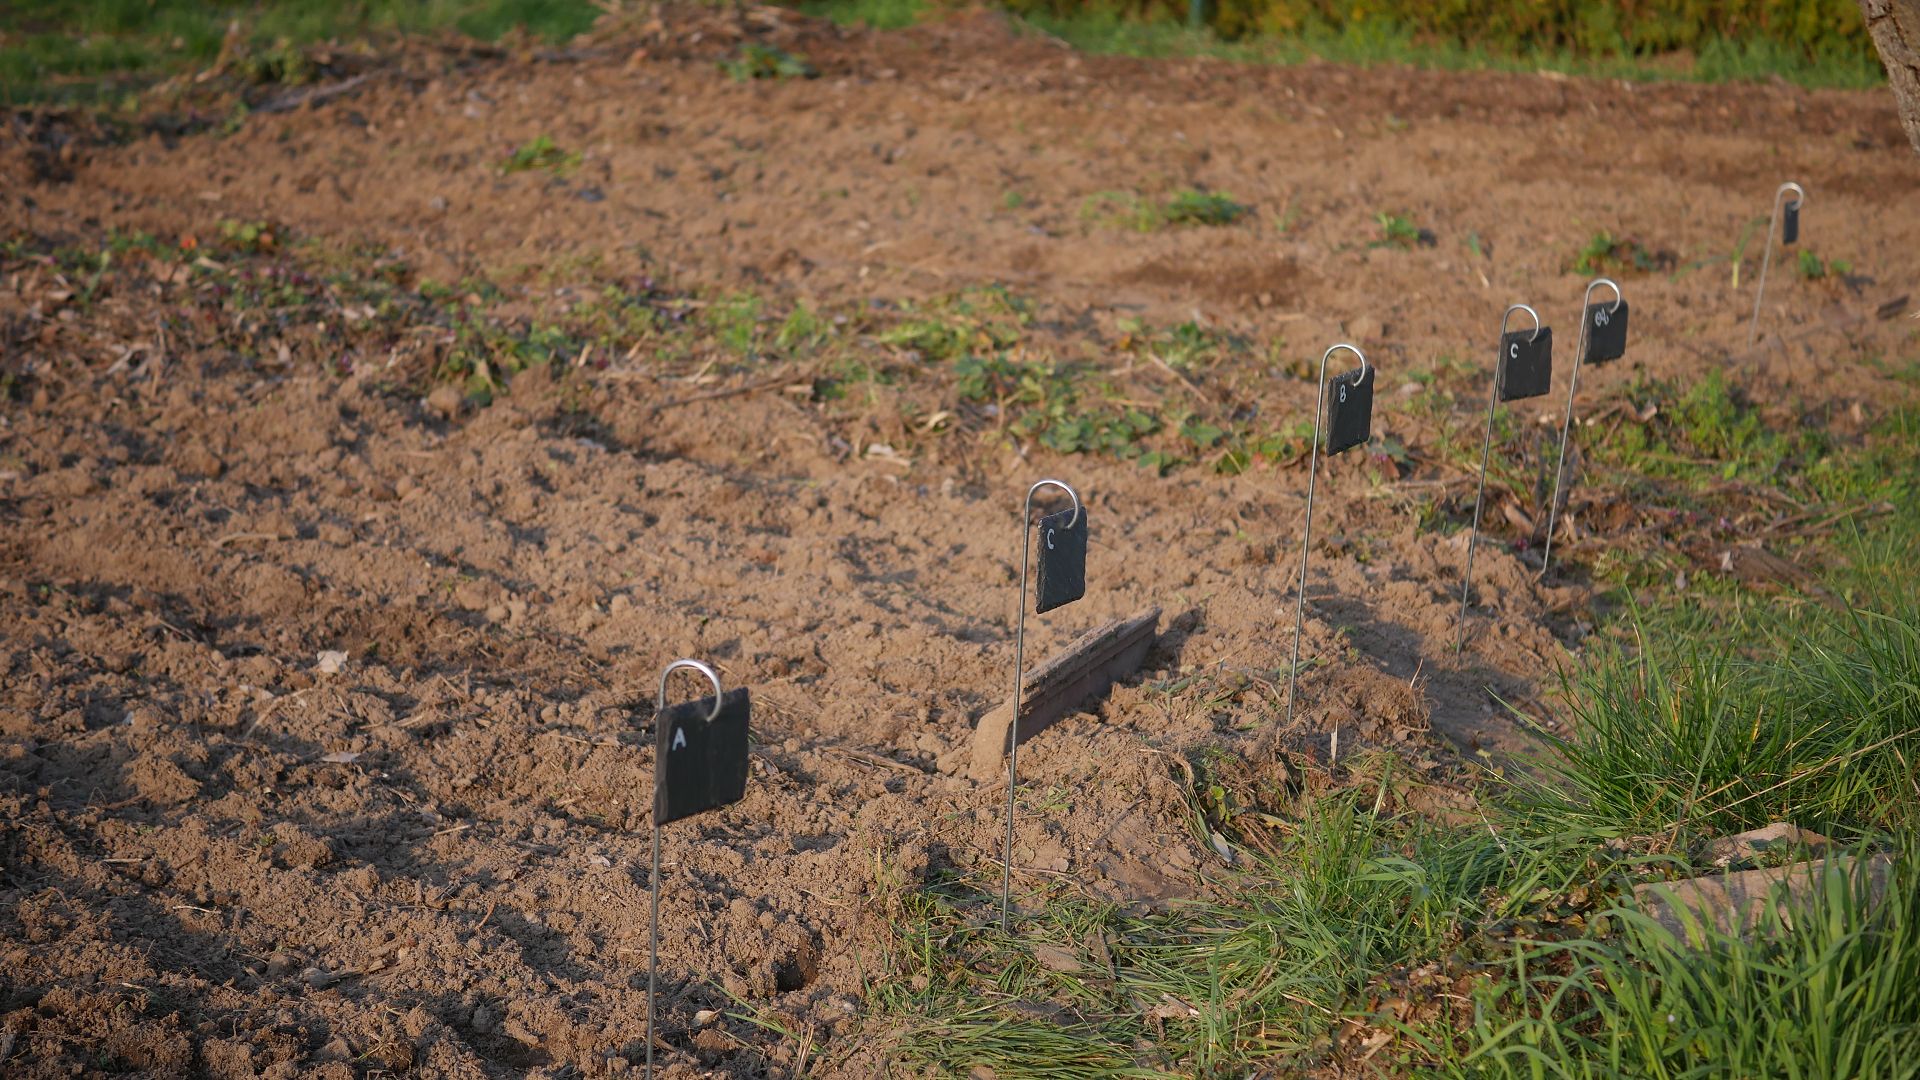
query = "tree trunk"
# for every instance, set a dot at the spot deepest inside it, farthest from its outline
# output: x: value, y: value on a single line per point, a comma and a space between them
x: 1895, y: 26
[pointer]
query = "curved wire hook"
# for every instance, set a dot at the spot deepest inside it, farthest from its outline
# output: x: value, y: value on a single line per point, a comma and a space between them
x: 703, y: 669
x: 1799, y: 194
x: 1365, y: 368
x: 1588, y: 298
x: 1508, y: 314
x: 1063, y: 486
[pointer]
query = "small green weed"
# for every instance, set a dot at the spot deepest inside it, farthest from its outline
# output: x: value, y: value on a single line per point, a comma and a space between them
x: 1399, y: 231
x: 1605, y: 253
x: 541, y: 153
x: 756, y: 61
x: 1128, y: 210
x: 1192, y: 207
x: 1812, y: 268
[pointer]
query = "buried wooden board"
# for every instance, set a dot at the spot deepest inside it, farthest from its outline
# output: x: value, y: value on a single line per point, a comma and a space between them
x: 1083, y: 670
x: 1739, y: 903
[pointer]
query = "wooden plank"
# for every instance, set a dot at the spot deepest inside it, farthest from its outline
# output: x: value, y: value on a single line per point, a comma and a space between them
x: 1084, y: 670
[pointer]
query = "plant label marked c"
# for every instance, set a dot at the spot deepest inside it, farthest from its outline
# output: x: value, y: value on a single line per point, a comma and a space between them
x: 1062, y: 578
x: 1526, y: 364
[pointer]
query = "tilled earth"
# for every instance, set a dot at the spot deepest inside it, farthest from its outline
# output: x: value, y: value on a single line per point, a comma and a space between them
x: 325, y: 698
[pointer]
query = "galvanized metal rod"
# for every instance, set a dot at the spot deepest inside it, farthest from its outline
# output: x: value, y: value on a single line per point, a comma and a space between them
x: 1019, y: 672
x: 653, y: 879
x: 1486, y: 449
x: 1766, y: 256
x: 1566, y: 422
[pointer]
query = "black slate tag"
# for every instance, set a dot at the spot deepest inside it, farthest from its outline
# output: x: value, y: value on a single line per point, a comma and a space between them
x: 1790, y: 224
x: 1606, y: 332
x: 1350, y: 409
x: 1526, y: 363
x: 1063, y: 560
x: 700, y: 765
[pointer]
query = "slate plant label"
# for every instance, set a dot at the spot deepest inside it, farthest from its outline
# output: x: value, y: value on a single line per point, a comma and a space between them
x: 1349, y: 409
x: 700, y: 765
x: 1063, y: 560
x: 1790, y: 224
x: 1526, y: 363
x: 1606, y: 332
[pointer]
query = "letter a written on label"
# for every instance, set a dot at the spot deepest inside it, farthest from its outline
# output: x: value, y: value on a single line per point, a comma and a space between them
x: 700, y: 765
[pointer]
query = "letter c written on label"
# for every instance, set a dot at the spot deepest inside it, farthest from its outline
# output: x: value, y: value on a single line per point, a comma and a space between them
x: 1049, y: 539
x: 1513, y: 351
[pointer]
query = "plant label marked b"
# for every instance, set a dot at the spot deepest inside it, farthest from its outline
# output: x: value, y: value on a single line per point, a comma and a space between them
x: 700, y: 765
x: 1349, y: 410
x: 1063, y: 560
x: 1790, y: 223
x: 1606, y: 332
x: 1526, y: 363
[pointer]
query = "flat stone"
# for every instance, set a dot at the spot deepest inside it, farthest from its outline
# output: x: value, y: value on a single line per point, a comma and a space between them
x: 1781, y: 837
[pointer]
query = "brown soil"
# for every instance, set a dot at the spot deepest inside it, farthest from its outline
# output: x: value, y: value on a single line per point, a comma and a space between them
x: 221, y: 858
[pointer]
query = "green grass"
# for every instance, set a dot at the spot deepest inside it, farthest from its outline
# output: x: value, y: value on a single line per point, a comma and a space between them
x: 1106, y: 29
x: 93, y: 50
x: 1826, y: 993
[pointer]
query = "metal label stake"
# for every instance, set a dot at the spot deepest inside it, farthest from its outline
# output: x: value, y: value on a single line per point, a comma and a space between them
x: 1789, y: 233
x: 1592, y: 317
x: 1523, y: 369
x: 661, y: 749
x: 1352, y: 426
x: 1063, y: 577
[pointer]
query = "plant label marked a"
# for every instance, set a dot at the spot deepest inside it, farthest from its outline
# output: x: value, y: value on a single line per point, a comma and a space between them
x: 701, y: 764
x: 1526, y: 363
x: 1062, y: 576
x: 1350, y: 410
x: 1606, y: 332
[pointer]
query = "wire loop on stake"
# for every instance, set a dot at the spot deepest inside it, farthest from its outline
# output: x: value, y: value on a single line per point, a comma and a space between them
x: 1486, y: 448
x: 695, y: 665
x: 653, y: 882
x: 1019, y: 674
x: 1766, y: 256
x: 1566, y: 422
x: 1306, y: 532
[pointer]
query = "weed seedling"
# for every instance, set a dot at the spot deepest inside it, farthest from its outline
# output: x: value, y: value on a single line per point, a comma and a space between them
x: 1399, y: 231
x: 1813, y: 268
x: 1606, y: 254
x: 541, y: 153
x: 766, y: 62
